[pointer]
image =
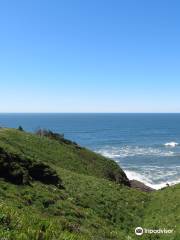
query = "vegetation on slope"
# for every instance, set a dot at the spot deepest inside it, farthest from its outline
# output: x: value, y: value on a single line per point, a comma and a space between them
x: 60, y: 154
x: 89, y: 206
x: 163, y: 211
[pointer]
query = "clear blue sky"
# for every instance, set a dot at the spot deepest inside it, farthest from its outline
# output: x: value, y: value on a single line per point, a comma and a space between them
x: 90, y: 56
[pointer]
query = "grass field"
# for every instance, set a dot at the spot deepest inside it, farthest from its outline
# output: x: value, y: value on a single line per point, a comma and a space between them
x: 93, y: 200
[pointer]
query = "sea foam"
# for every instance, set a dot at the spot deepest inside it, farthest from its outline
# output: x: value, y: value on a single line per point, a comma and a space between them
x: 171, y: 144
x: 155, y: 171
x: 131, y: 151
x: 148, y: 181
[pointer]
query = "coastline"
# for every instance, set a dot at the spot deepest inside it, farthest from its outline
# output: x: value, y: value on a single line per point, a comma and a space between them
x: 138, y: 177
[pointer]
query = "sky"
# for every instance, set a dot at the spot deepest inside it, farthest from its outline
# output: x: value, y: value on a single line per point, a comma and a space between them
x: 89, y: 56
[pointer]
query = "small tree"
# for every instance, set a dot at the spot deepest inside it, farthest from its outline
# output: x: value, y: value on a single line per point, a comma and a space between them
x: 20, y: 128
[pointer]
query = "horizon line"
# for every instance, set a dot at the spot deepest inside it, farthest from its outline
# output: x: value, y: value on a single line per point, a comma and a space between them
x: 89, y: 112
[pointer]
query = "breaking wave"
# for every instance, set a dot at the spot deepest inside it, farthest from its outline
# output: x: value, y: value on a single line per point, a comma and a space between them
x: 156, y: 170
x: 171, y: 144
x: 154, y: 179
x: 131, y: 151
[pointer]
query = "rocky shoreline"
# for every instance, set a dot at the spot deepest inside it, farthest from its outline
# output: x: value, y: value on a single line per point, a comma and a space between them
x: 140, y: 186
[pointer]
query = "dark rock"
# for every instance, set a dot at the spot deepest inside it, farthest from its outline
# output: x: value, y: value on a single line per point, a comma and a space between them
x: 118, y: 176
x: 43, y: 173
x: 12, y: 169
x: 141, y: 186
x: 18, y: 170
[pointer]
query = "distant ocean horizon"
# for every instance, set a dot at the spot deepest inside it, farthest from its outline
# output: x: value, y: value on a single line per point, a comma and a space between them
x: 145, y: 145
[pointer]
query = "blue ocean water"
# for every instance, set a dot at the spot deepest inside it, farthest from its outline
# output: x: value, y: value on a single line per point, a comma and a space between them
x: 146, y: 146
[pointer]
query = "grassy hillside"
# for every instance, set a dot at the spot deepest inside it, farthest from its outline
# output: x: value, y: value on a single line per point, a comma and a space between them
x: 86, y: 196
x: 163, y: 211
x: 59, y: 154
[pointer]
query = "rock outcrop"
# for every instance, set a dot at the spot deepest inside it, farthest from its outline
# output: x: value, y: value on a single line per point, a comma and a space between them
x: 140, y: 186
x: 18, y: 170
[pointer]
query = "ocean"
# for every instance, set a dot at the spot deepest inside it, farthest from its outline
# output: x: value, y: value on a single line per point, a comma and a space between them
x: 146, y: 146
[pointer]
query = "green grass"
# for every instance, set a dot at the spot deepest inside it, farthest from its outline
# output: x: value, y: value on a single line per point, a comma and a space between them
x: 103, y: 211
x: 56, y: 154
x: 163, y: 211
x: 89, y: 207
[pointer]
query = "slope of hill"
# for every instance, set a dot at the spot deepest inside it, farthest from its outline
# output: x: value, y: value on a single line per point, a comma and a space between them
x: 57, y: 190
x: 60, y: 154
